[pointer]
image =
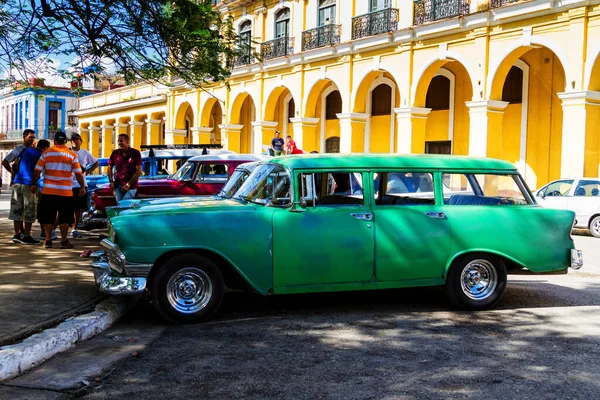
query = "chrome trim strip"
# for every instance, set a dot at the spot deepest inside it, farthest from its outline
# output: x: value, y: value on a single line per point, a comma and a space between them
x: 576, y: 259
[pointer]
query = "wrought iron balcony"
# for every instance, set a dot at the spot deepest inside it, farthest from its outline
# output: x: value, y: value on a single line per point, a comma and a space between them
x: 501, y: 3
x: 245, y: 57
x: 375, y: 23
x: 434, y: 10
x: 326, y: 35
x: 281, y: 47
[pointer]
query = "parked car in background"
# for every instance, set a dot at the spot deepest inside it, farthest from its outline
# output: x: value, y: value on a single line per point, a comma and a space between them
x: 199, y: 176
x: 317, y: 223
x: 580, y: 195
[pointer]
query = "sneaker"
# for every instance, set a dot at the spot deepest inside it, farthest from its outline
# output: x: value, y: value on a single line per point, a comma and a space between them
x: 18, y: 238
x: 75, y: 235
x: 47, y: 244
x: 53, y: 237
x: 66, y: 245
x: 29, y: 240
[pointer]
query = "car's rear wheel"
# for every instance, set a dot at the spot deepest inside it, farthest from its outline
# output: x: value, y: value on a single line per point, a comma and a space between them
x: 188, y: 288
x: 476, y: 281
x: 595, y: 227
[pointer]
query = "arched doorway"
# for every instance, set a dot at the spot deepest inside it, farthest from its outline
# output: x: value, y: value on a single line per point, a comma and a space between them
x: 184, y: 121
x: 325, y: 103
x: 243, y: 113
x: 281, y: 108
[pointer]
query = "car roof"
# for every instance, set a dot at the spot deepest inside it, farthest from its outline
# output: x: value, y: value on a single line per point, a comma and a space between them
x: 182, y: 153
x: 371, y: 160
x: 227, y: 157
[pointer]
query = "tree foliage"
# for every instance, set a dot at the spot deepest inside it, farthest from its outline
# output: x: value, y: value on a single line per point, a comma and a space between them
x: 149, y: 40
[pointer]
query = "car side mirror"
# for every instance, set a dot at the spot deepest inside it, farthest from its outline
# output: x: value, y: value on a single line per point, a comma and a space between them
x: 299, y: 206
x: 541, y: 195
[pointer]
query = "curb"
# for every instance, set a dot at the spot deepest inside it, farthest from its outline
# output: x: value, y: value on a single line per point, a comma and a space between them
x: 18, y: 358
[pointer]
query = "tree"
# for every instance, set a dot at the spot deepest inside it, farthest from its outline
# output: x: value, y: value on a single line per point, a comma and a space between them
x: 149, y: 40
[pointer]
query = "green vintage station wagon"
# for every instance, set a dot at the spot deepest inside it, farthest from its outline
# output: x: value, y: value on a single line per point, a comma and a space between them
x: 323, y: 223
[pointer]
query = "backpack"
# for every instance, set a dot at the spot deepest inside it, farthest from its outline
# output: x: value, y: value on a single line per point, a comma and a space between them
x: 16, y: 165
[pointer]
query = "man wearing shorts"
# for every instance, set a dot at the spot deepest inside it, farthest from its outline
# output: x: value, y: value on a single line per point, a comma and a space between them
x: 58, y: 164
x: 23, y: 202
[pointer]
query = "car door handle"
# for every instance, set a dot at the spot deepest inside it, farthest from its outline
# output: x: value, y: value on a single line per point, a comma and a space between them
x: 437, y: 215
x: 362, y: 216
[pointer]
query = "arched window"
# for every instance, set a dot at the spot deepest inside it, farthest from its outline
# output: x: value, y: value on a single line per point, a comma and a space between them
x: 376, y: 5
x: 246, y: 33
x: 438, y: 94
x: 512, y: 91
x: 333, y: 105
x: 326, y: 12
x: 282, y: 23
x: 381, y: 100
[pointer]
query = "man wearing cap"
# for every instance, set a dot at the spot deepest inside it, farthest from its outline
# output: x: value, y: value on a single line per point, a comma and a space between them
x: 277, y: 144
x: 88, y: 163
x: 59, y: 164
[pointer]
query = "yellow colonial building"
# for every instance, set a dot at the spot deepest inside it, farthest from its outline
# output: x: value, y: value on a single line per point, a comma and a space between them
x: 516, y: 80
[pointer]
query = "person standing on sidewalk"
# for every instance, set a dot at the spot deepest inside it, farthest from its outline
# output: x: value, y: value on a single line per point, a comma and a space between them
x: 88, y: 163
x: 128, y: 164
x: 23, y: 203
x: 58, y: 165
x: 9, y: 162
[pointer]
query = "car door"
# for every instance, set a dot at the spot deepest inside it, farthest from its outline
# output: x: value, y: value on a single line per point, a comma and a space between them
x: 412, y: 233
x: 555, y: 194
x: 331, y: 239
x: 585, y: 200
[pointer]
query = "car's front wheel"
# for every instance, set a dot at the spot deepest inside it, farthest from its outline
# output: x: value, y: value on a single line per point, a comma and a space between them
x: 476, y: 281
x: 188, y: 288
x: 595, y: 227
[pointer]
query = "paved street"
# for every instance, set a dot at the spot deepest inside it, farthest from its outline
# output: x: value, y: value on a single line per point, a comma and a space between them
x: 542, y: 341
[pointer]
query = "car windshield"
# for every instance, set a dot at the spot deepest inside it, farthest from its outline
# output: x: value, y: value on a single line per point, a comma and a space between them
x: 185, y: 173
x: 268, y: 184
x: 234, y: 183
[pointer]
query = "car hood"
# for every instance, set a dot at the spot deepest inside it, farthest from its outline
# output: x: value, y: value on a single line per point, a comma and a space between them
x: 198, y: 204
x: 161, y: 201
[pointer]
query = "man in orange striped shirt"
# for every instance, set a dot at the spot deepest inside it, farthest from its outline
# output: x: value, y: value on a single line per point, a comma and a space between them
x: 58, y: 164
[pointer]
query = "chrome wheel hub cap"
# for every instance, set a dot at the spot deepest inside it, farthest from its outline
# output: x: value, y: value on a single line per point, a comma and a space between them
x: 479, y: 279
x: 596, y: 227
x: 189, y: 290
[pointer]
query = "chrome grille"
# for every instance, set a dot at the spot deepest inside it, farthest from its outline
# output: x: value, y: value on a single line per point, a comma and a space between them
x: 114, y: 260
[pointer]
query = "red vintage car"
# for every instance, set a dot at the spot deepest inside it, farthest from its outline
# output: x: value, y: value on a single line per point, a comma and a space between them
x: 199, y: 176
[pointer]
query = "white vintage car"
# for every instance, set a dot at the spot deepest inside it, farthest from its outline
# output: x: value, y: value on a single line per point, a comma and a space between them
x: 581, y: 195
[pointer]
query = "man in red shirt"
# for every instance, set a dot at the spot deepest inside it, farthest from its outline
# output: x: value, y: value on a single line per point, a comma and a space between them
x: 128, y: 164
x: 290, y: 147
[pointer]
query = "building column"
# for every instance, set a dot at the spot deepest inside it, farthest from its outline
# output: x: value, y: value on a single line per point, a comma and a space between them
x: 153, y: 131
x: 352, y: 132
x: 107, y: 140
x: 580, y: 137
x: 135, y: 140
x: 262, y: 133
x: 201, y: 135
x: 412, y: 124
x: 305, y: 133
x: 231, y: 137
x: 85, y: 138
x: 175, y: 136
x: 485, y: 135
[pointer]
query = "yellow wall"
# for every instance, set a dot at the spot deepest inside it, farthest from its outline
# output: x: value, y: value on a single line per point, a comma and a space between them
x: 246, y: 120
x: 592, y: 143
x: 437, y: 125
x: 380, y: 134
x: 511, y: 138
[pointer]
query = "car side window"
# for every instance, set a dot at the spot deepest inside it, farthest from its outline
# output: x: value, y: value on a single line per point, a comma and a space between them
x: 558, y: 188
x: 484, y: 189
x: 331, y: 189
x: 212, y: 173
x: 588, y: 188
x: 403, y: 188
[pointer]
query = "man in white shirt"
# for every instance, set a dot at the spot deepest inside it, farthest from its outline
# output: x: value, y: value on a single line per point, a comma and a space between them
x: 88, y: 163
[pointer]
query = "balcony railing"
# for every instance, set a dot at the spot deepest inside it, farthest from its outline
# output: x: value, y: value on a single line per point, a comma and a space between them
x: 501, y: 3
x: 245, y: 57
x: 375, y: 23
x: 277, y: 48
x: 434, y: 10
x: 326, y: 35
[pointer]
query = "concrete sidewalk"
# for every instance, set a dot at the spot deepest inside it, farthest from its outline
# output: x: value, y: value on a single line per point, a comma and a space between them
x: 41, y: 293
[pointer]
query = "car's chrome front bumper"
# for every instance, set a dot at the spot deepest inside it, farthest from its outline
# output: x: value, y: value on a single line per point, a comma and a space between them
x: 115, y: 275
x: 576, y: 259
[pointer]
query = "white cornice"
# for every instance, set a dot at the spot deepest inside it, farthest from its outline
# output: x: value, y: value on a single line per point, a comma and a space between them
x: 161, y: 98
